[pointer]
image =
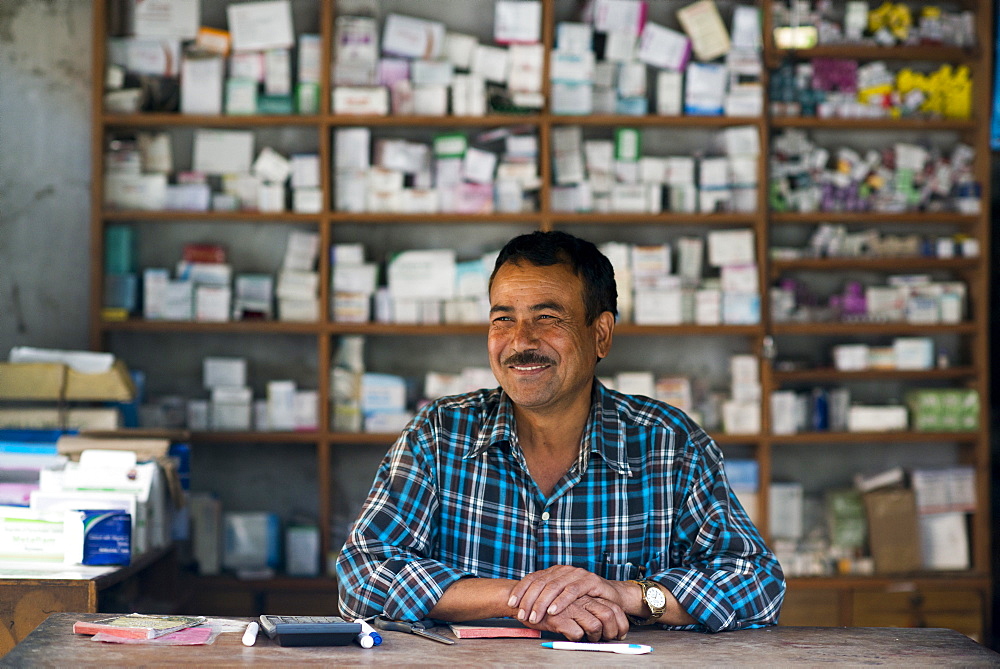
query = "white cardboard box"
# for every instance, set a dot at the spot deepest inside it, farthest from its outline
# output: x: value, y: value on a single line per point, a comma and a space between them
x: 201, y: 84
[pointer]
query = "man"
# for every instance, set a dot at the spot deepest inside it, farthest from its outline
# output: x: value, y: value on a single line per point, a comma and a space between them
x: 553, y: 499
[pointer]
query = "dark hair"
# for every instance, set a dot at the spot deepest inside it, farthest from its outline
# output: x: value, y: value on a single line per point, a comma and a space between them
x: 552, y: 248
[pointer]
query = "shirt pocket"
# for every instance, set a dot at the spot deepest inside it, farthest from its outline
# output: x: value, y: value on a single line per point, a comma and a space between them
x: 626, y: 571
x: 614, y: 571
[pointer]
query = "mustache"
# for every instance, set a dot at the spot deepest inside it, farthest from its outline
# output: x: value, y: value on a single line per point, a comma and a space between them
x: 528, y: 358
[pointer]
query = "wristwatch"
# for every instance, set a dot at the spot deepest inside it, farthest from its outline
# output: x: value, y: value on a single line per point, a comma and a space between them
x: 654, y: 599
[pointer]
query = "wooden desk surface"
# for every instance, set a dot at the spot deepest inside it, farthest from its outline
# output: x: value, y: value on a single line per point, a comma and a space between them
x: 30, y: 591
x: 53, y: 644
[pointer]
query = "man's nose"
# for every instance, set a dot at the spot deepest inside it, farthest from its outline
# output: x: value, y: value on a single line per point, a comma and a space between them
x: 525, y: 336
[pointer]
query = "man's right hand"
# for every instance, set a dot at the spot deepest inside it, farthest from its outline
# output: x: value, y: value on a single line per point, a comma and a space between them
x: 595, y: 618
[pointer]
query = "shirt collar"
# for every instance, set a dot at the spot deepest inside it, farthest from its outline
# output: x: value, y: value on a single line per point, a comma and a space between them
x: 498, y: 425
x: 604, y: 434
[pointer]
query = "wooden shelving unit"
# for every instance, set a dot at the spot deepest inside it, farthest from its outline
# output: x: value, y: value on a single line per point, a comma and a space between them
x: 973, y: 372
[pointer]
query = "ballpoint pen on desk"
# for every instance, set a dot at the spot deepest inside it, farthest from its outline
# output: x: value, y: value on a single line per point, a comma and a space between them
x: 417, y: 628
x: 622, y: 648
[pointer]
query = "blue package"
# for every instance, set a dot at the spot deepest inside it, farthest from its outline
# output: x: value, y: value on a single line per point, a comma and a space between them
x: 107, y: 537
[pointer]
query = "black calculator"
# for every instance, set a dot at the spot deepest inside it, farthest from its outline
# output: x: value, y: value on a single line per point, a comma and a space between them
x: 309, y: 630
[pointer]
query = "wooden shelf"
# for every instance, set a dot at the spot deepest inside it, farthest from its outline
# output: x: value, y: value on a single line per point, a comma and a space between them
x: 669, y: 218
x: 917, y: 579
x: 170, y: 120
x: 166, y: 120
x: 831, y: 374
x: 848, y: 329
x: 320, y: 584
x: 436, y: 121
x: 874, y: 124
x: 401, y: 329
x: 351, y: 218
x: 689, y: 330
x: 140, y: 215
x: 900, y: 437
x: 367, y: 438
x: 883, y: 264
x: 866, y: 52
x: 875, y: 217
x: 656, y: 121
x: 227, y: 327
x: 305, y: 438
x: 255, y: 437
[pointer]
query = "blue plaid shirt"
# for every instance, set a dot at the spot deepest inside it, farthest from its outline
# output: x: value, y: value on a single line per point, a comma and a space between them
x: 648, y: 497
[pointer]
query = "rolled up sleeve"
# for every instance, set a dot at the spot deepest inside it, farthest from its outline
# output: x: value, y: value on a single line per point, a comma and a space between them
x: 384, y: 568
x: 720, y: 570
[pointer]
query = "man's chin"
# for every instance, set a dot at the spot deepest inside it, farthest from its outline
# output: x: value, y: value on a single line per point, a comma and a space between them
x: 527, y: 398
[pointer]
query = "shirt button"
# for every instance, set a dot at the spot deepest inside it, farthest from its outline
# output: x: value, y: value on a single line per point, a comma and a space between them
x: 545, y: 515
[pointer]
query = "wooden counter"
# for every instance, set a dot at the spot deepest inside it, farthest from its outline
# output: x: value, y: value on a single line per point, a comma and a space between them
x: 53, y: 644
x: 30, y: 591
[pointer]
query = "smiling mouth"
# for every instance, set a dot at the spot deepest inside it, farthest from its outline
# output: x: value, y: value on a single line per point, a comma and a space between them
x: 527, y: 368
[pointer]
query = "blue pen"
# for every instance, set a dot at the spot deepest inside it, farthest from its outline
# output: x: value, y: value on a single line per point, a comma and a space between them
x: 621, y: 648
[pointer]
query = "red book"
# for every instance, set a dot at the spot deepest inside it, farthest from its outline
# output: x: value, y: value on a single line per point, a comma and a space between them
x: 137, y: 625
x: 493, y: 628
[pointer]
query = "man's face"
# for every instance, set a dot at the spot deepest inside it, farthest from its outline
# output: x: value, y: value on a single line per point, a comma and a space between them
x: 541, y: 350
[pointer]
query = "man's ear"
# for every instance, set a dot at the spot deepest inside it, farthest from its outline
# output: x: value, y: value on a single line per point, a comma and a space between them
x: 604, y: 328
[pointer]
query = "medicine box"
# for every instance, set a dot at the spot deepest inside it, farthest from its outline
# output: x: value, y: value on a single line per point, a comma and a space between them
x: 251, y: 540
x: 60, y: 501
x: 31, y: 534
x: 945, y: 409
x: 302, y: 550
x: 98, y: 537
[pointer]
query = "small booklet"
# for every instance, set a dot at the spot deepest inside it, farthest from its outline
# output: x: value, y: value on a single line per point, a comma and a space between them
x: 137, y: 625
x: 493, y: 628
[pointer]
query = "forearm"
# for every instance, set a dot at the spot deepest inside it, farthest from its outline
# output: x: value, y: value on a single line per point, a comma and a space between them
x: 675, y: 614
x: 474, y: 598
x: 400, y: 585
x: 726, y: 601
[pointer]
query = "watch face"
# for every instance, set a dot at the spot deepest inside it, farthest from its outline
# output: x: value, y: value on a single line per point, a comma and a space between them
x: 655, y: 598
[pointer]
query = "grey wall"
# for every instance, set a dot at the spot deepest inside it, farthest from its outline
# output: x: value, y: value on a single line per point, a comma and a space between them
x: 45, y: 78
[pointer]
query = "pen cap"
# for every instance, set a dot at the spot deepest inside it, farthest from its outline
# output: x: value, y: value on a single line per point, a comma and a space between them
x: 370, y: 631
